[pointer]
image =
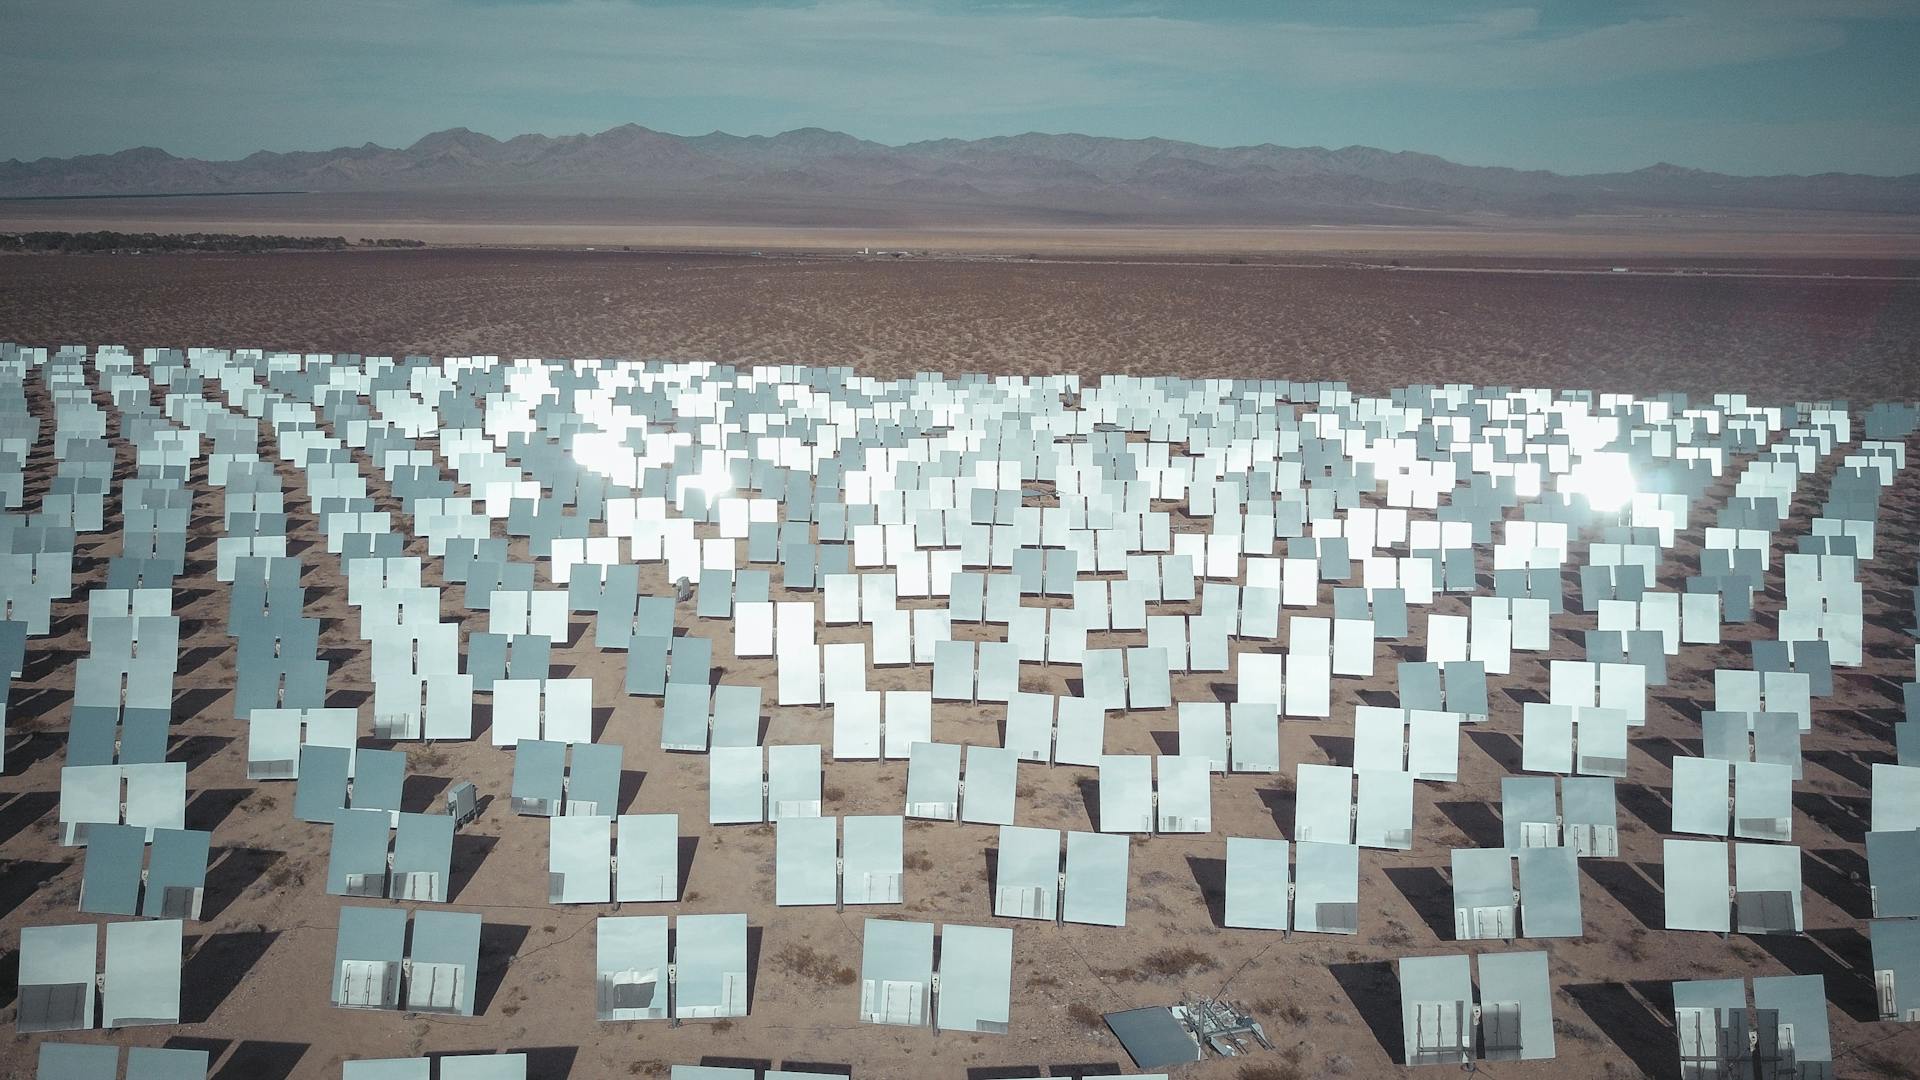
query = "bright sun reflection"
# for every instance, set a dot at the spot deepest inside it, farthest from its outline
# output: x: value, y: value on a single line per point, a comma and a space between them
x: 1604, y: 479
x: 715, y: 483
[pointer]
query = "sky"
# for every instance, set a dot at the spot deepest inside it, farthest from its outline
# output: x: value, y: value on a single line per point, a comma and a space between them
x: 1739, y: 86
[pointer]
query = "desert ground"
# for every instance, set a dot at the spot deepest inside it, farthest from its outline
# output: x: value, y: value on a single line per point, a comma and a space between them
x: 1783, y: 329
x: 256, y: 973
x: 824, y: 222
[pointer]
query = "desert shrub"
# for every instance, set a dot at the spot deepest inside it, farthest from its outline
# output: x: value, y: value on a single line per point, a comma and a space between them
x: 1173, y: 963
x: 809, y: 963
x: 1085, y: 1015
x: 1267, y: 1070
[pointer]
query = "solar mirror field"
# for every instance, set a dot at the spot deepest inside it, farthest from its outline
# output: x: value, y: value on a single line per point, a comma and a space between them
x: 477, y: 718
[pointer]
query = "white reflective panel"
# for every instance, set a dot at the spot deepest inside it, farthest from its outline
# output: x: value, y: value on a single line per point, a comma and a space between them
x: 142, y: 974
x: 157, y: 795
x: 568, y: 710
x: 999, y: 675
x: 736, y: 715
x: 648, y: 867
x: 753, y: 629
x: 908, y: 719
x: 1309, y: 690
x: 578, y: 867
x: 1103, y: 678
x: 1256, y: 737
x: 1323, y: 804
x: 1030, y: 726
x: 1546, y: 738
x: 1483, y: 895
x: 1126, y: 793
x: 1257, y: 883
x: 1700, y: 618
x: 1549, y: 892
x: 1260, y: 679
x: 931, y: 626
x: 516, y: 710
x: 842, y: 604
x: 793, y: 624
x: 1066, y: 635
x: 1379, y: 738
x: 1300, y: 582
x: 684, y: 719
x: 1516, y: 1007
x: 56, y: 980
x: 1896, y: 797
x: 1081, y: 739
x: 1384, y: 817
x: 449, y: 707
x: 933, y: 781
x: 797, y: 676
x: 273, y: 744
x: 1026, y: 873
x: 874, y: 854
x: 631, y: 967
x: 735, y: 785
x: 1623, y: 687
x: 1696, y: 885
x: 1186, y: 801
x: 1149, y: 684
x: 481, y: 1067
x: 953, y: 670
x: 1326, y: 888
x: 1531, y: 626
x: 987, y: 796
x: 1491, y: 635
x: 896, y: 972
x: 1203, y: 732
x: 856, y: 726
x: 89, y: 794
x: 1600, y: 737
x: 1572, y: 682
x: 845, y: 665
x: 1260, y: 612
x: 1762, y: 801
x: 793, y: 781
x: 1436, y: 1007
x: 385, y: 1069
x: 1096, y: 872
x: 1353, y: 647
x: 1433, y: 745
x: 1766, y: 884
x: 976, y: 974
x: 1700, y: 793
x: 1591, y: 818
x: 710, y: 962
x: 892, y: 638
x: 806, y: 853
x: 1447, y: 638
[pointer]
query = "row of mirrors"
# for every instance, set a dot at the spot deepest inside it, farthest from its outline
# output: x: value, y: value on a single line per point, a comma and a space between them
x: 1234, y: 556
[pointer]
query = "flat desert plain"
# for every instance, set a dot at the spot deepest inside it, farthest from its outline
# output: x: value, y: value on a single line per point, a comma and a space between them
x: 1776, y: 328
x: 257, y: 965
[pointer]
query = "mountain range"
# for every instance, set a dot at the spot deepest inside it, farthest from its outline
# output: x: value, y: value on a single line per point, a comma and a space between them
x: 1067, y: 176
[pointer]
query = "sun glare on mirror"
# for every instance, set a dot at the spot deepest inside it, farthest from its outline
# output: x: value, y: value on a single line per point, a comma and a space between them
x: 1604, y: 479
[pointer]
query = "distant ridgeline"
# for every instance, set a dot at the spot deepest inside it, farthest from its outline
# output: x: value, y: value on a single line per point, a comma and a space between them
x: 84, y: 242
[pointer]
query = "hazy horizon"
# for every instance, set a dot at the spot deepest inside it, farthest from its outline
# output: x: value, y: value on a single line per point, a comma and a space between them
x: 1746, y: 87
x: 505, y: 136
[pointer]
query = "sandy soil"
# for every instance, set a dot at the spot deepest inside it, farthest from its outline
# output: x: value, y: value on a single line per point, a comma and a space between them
x: 256, y: 972
x: 815, y: 222
x: 1779, y: 338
